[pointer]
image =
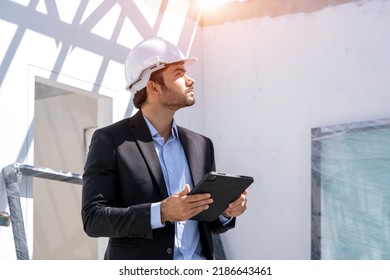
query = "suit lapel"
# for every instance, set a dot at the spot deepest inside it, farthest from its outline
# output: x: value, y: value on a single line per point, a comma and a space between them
x: 191, y: 150
x: 141, y: 133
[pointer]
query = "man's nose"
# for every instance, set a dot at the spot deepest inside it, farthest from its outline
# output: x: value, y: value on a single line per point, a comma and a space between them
x: 189, y: 81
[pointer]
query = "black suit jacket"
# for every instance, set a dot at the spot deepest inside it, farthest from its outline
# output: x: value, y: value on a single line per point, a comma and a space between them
x: 122, y: 177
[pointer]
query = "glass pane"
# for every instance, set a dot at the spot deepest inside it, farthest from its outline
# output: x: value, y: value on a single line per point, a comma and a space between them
x: 351, y: 171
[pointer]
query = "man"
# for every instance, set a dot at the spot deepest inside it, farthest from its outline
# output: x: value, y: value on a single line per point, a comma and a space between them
x: 140, y: 170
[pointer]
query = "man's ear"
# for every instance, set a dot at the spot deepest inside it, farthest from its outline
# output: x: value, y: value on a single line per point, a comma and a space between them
x: 153, y: 87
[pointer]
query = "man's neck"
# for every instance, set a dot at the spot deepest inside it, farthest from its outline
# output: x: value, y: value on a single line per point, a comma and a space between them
x: 161, y: 120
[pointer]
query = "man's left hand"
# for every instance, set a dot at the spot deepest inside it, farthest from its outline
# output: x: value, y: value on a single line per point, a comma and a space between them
x: 237, y: 207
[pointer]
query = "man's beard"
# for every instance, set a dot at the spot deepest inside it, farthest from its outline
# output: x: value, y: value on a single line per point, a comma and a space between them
x: 174, y: 103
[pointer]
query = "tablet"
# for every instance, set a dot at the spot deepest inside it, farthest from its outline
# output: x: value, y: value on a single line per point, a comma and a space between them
x: 224, y: 188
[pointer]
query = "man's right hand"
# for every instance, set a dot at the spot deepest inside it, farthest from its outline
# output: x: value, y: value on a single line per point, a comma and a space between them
x: 181, y: 206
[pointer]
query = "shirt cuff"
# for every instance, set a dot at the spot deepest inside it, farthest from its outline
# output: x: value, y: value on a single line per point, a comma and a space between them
x: 224, y: 221
x: 155, y: 216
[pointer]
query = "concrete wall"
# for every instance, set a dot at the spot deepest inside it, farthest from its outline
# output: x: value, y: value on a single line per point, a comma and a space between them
x: 267, y: 75
x: 267, y: 81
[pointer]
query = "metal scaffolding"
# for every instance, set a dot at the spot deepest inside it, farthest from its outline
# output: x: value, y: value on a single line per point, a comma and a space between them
x: 13, y: 175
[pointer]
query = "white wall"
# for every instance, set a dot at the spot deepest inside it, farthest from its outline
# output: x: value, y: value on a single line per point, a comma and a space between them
x: 267, y: 82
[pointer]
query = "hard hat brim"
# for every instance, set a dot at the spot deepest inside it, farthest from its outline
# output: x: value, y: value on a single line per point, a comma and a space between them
x: 190, y: 61
x: 138, y: 85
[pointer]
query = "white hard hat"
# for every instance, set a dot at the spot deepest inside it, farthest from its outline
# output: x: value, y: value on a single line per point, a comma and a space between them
x: 148, y: 57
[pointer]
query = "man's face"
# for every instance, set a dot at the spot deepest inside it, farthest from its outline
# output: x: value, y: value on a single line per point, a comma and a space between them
x: 178, y: 90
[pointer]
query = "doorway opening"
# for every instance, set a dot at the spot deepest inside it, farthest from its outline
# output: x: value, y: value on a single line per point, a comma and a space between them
x: 64, y: 120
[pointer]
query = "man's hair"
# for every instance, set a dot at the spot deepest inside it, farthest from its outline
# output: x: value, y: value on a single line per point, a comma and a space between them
x: 141, y: 95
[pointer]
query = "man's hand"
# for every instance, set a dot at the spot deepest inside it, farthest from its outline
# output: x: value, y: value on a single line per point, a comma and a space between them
x: 181, y: 206
x: 237, y: 207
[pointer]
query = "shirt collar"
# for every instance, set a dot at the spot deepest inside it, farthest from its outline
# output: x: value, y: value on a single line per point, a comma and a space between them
x: 154, y: 132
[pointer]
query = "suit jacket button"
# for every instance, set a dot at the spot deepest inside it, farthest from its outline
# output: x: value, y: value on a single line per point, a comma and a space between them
x: 169, y: 251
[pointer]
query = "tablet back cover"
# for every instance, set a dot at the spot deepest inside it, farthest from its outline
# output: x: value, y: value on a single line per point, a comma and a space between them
x: 224, y: 189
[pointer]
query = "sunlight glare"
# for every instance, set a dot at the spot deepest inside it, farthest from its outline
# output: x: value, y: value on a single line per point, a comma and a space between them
x: 208, y: 4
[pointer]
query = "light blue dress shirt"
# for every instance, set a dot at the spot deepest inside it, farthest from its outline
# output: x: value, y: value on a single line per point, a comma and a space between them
x: 176, y: 174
